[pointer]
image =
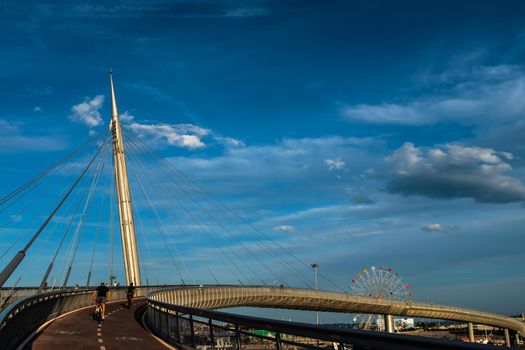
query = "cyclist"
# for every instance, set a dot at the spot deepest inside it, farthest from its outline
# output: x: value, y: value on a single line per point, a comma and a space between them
x: 129, y: 293
x: 100, y: 296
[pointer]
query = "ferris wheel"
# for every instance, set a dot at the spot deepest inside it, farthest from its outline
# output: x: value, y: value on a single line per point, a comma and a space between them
x: 383, y: 285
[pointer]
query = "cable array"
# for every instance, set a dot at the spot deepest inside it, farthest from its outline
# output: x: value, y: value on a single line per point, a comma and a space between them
x: 185, y: 235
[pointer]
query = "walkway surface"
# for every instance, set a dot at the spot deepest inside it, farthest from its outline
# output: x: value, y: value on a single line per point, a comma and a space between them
x: 122, y: 329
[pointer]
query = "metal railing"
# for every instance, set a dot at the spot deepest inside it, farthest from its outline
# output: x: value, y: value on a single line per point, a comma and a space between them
x: 19, y: 320
x: 192, y: 328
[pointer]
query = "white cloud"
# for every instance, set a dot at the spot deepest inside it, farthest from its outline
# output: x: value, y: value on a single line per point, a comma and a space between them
x: 37, y: 109
x: 88, y: 112
x: 440, y: 228
x: 229, y: 141
x: 484, y: 94
x: 454, y: 171
x: 180, y: 135
x: 126, y: 117
x: 284, y: 228
x: 334, y: 164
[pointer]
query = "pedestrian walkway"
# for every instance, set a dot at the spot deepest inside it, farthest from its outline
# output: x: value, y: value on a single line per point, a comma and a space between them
x: 122, y: 329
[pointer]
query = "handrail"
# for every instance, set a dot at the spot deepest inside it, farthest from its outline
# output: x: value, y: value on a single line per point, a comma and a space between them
x: 19, y: 320
x: 176, y: 324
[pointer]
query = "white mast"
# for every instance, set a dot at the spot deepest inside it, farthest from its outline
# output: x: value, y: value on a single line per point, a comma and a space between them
x: 127, y: 224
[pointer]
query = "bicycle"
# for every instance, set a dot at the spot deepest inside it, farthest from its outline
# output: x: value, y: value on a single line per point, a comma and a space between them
x: 98, y: 311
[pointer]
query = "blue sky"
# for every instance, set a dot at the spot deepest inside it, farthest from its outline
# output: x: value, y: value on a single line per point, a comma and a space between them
x: 357, y: 134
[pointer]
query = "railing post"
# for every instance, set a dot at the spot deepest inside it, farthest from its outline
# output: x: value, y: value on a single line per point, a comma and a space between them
x: 177, y: 325
x: 157, y: 320
x: 192, y: 332
x: 238, y: 336
x: 277, y: 341
x: 212, y: 338
x: 150, y: 313
x: 167, y: 323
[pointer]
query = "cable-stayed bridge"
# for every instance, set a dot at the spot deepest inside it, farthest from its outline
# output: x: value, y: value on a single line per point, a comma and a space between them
x: 115, y: 211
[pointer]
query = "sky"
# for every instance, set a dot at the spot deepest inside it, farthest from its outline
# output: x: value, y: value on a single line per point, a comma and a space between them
x: 355, y: 134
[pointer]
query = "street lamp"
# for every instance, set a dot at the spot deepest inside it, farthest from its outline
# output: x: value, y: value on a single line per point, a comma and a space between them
x: 315, y: 266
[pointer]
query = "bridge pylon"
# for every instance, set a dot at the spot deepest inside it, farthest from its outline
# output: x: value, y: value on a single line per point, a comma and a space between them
x: 127, y: 224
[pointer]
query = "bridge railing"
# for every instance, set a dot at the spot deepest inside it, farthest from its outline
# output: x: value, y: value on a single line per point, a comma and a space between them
x: 192, y: 328
x: 21, y: 319
x: 12, y: 295
x: 218, y: 297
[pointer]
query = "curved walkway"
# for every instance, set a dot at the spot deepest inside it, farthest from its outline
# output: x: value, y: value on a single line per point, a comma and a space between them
x: 217, y: 297
x: 122, y: 329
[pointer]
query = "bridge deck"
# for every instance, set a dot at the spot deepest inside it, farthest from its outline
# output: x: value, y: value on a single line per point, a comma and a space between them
x: 122, y: 329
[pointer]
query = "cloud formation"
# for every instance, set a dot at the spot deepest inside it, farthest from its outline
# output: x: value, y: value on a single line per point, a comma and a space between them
x: 280, y: 172
x: 180, y: 135
x: 440, y: 228
x: 454, y: 171
x: 334, y: 164
x: 88, y: 112
x: 284, y: 228
x: 482, y: 94
x: 229, y: 141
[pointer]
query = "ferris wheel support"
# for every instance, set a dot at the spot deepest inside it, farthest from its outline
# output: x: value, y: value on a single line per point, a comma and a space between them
x: 382, y: 285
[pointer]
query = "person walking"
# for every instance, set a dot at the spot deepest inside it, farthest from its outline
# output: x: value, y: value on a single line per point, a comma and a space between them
x: 129, y: 294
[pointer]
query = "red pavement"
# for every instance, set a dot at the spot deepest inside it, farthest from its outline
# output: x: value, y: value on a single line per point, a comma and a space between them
x: 122, y: 329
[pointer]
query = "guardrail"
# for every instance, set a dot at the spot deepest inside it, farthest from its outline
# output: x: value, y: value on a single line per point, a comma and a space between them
x: 192, y: 328
x: 19, y: 320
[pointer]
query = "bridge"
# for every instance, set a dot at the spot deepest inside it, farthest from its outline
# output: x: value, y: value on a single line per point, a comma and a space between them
x: 185, y: 315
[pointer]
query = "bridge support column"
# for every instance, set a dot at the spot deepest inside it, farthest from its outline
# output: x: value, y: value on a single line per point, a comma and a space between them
x: 507, y: 337
x: 517, y: 339
x: 389, y: 323
x: 471, y: 332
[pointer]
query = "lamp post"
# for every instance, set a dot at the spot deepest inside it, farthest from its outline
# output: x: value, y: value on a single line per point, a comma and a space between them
x: 315, y: 266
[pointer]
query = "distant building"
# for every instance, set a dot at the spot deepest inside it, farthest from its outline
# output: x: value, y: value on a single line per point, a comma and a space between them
x: 380, y: 323
x: 404, y: 323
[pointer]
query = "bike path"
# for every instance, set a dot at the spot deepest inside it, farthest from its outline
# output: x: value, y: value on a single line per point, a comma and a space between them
x: 121, y: 329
